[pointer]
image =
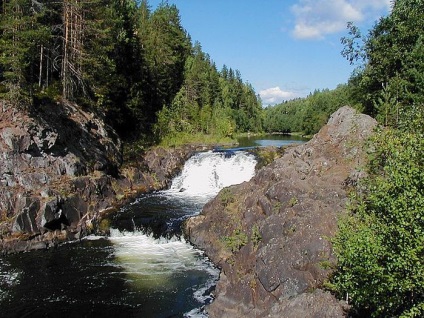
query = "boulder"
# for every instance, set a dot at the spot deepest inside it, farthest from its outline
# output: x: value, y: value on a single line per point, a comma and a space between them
x: 271, y: 240
x: 26, y: 213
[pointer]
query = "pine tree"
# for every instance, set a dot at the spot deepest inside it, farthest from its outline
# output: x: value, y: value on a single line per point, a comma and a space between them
x: 74, y: 29
x: 167, y: 46
x: 21, y: 35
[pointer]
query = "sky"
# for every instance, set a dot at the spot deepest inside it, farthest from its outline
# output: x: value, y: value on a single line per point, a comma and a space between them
x: 284, y: 48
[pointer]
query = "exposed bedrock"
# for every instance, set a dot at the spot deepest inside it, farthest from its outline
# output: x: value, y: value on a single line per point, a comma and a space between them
x: 61, y: 172
x: 270, y: 235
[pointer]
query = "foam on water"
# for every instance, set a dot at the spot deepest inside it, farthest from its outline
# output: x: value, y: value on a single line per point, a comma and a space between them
x: 149, y: 261
x: 8, y: 278
x: 143, y: 254
x: 206, y: 173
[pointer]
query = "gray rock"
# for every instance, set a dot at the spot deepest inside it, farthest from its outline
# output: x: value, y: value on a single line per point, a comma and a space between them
x: 26, y: 213
x: 294, y: 203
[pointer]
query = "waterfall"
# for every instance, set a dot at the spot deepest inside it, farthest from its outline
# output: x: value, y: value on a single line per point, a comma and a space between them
x: 206, y: 173
x: 145, y: 245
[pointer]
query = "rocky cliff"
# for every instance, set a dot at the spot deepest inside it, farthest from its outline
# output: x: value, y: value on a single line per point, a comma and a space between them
x: 270, y: 236
x: 61, y: 173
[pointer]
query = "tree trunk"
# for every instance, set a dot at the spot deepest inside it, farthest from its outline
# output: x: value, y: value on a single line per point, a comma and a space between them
x: 71, y: 72
x: 40, y: 76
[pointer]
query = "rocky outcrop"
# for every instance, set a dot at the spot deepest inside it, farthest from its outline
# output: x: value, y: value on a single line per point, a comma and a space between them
x: 270, y: 235
x: 61, y: 173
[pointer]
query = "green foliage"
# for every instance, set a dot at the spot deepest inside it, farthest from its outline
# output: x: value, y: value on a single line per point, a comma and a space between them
x: 136, y: 66
x: 267, y: 155
x: 236, y: 240
x: 306, y: 115
x: 380, y: 247
x: 166, y: 47
x: 21, y: 32
x: 183, y: 138
x: 256, y: 236
x: 226, y: 196
x: 293, y: 201
x: 393, y: 61
x: 209, y: 103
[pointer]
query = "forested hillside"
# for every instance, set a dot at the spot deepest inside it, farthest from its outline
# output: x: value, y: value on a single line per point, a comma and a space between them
x: 306, y: 115
x: 139, y: 69
x: 122, y: 60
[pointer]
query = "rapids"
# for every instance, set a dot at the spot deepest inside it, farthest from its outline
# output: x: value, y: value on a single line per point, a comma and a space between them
x: 144, y: 268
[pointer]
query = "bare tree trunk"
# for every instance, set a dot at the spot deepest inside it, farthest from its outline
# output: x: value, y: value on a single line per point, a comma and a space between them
x: 47, y: 69
x: 72, y: 48
x: 40, y: 76
x: 65, y: 58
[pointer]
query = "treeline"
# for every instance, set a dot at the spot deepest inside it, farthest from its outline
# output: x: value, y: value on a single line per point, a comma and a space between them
x: 306, y: 115
x: 122, y: 59
x: 380, y: 244
x: 209, y: 103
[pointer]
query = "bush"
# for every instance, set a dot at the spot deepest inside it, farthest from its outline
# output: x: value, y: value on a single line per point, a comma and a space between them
x: 380, y: 246
x: 236, y: 240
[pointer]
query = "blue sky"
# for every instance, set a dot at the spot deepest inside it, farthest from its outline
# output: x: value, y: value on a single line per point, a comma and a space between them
x: 284, y: 48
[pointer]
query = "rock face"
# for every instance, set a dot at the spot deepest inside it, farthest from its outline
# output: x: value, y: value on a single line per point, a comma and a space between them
x: 60, y: 173
x: 270, y: 235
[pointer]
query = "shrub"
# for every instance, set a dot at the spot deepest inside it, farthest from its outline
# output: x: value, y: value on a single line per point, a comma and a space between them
x: 236, y: 241
x: 380, y: 246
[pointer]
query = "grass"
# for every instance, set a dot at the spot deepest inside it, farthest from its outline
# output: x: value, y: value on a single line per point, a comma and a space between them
x: 226, y: 197
x: 256, y: 236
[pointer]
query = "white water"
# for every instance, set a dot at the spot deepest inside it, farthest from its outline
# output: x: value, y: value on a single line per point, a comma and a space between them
x: 9, y: 277
x: 143, y: 254
x: 162, y: 277
x: 150, y: 262
x: 206, y: 173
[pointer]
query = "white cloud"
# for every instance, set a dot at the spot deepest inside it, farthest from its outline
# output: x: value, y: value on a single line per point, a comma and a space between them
x: 316, y: 18
x: 275, y: 95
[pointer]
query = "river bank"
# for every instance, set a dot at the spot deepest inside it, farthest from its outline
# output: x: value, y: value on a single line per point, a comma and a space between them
x: 271, y: 236
x: 62, y: 174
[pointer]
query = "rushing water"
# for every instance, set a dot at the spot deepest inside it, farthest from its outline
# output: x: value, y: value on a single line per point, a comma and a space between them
x: 143, y: 269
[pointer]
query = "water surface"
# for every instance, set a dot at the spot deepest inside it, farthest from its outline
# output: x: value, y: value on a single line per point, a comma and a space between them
x: 277, y: 140
x: 143, y: 269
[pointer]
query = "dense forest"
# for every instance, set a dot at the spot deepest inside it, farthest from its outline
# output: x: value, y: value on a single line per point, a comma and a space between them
x: 306, y: 115
x: 135, y: 66
x: 140, y: 70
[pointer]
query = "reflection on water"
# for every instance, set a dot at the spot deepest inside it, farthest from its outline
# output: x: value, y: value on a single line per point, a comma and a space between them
x: 74, y: 278
x: 276, y: 140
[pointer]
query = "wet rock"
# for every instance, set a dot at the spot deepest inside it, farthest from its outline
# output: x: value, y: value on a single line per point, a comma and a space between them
x: 61, y: 173
x: 166, y: 163
x: 287, y: 212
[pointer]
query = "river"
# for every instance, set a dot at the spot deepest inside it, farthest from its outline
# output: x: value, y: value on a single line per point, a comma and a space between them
x: 144, y: 268
x: 276, y: 140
